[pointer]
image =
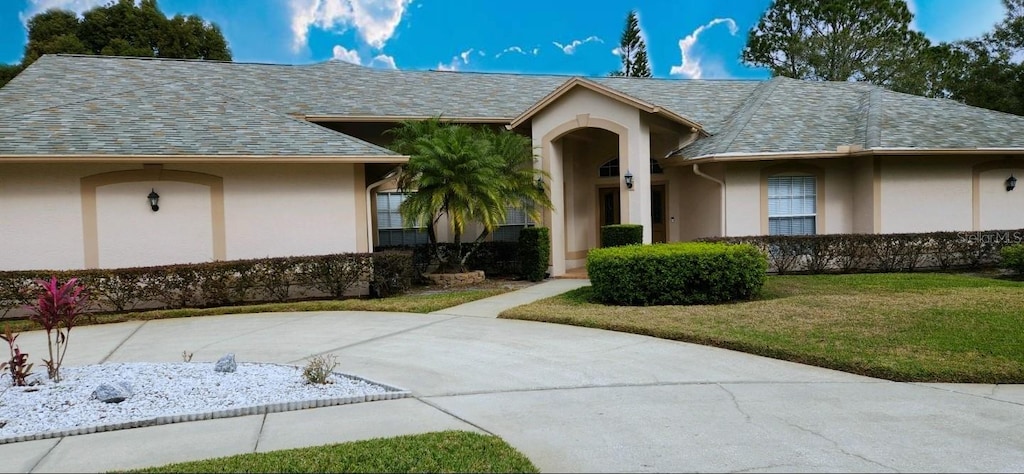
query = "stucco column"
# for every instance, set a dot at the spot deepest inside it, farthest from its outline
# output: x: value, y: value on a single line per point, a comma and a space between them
x: 551, y: 161
x: 636, y: 202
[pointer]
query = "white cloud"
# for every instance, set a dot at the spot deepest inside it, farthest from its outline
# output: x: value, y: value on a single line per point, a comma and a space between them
x: 349, y: 56
x: 510, y: 49
x: 452, y: 66
x: 912, y: 6
x: 571, y: 47
x: 374, y: 20
x: 383, y: 61
x: 690, y: 64
x: 77, y: 6
x: 465, y: 55
x: 536, y: 51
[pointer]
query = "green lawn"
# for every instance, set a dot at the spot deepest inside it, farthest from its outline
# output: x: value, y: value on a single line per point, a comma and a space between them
x: 447, y: 451
x: 906, y: 327
x: 412, y: 303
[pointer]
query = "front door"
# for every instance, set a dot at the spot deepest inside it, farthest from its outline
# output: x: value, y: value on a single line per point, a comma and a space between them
x: 608, y: 205
x: 658, y: 233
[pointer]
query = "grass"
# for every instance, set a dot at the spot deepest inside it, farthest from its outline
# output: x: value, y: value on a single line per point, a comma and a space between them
x: 447, y: 451
x: 924, y: 327
x: 411, y: 303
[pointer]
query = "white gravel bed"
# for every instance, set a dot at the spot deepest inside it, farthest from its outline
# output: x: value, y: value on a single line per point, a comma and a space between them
x: 167, y: 393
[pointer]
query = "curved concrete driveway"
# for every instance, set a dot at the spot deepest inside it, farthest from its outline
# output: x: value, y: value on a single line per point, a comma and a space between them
x: 572, y: 399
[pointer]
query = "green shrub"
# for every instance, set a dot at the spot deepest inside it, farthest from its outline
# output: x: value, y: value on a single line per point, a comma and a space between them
x: 335, y: 274
x: 392, y: 273
x: 1012, y: 257
x: 494, y: 258
x: 621, y: 234
x: 534, y: 252
x: 673, y: 274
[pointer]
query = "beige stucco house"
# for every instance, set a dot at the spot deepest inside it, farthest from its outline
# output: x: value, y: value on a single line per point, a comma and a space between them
x: 256, y: 160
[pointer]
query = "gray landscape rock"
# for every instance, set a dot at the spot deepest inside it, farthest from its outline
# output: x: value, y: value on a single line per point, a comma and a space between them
x: 115, y: 392
x: 226, y: 364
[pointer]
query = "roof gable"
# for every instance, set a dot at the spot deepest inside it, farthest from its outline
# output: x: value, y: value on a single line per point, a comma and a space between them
x: 579, y: 82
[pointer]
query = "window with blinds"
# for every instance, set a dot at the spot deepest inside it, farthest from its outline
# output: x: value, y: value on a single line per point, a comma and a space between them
x: 792, y: 205
x: 391, y: 230
x: 515, y: 221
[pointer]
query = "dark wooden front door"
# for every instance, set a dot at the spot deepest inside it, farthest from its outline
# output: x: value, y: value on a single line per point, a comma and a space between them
x: 608, y: 207
x: 658, y: 201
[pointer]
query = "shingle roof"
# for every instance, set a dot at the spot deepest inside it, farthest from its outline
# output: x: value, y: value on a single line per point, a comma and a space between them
x: 742, y: 117
x: 172, y: 118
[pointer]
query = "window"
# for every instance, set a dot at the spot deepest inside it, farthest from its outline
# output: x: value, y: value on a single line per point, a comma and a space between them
x: 515, y: 221
x: 609, y: 169
x: 390, y: 228
x: 792, y: 205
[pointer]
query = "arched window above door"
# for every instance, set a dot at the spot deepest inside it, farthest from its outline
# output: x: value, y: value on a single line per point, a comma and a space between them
x: 610, y: 168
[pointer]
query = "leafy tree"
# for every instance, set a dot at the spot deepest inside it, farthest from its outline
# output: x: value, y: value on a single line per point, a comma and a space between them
x: 121, y: 28
x: 837, y: 40
x: 467, y: 174
x: 632, y: 50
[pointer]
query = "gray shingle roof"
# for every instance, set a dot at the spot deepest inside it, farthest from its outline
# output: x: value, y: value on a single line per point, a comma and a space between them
x: 113, y: 105
x: 163, y: 118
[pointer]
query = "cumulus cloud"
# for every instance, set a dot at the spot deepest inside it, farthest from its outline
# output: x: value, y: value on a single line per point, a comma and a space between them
x: 383, y: 61
x: 510, y: 49
x: 571, y: 47
x: 452, y: 66
x: 465, y: 55
x: 690, y: 64
x: 347, y: 55
x: 375, y: 21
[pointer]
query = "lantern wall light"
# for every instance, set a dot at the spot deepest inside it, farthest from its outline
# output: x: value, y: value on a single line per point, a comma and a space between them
x: 629, y: 180
x: 154, y: 200
x: 1011, y: 183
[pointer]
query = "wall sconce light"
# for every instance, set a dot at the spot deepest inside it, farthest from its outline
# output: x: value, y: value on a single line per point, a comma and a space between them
x: 1011, y: 183
x: 629, y: 180
x: 540, y: 183
x: 154, y: 199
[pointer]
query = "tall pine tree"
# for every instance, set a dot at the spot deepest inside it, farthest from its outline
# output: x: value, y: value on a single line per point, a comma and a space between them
x: 633, y: 50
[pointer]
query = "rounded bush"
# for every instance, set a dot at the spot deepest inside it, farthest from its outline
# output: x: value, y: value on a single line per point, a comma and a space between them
x: 1012, y: 257
x: 676, y: 274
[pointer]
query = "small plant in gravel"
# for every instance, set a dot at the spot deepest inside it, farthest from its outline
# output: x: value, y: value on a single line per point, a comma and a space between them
x: 186, y: 356
x: 56, y: 310
x: 319, y: 369
x: 18, y: 364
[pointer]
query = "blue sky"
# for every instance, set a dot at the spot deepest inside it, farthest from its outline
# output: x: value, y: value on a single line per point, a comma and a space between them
x: 685, y: 38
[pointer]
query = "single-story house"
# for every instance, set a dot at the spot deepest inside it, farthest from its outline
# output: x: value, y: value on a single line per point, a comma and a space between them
x: 256, y: 160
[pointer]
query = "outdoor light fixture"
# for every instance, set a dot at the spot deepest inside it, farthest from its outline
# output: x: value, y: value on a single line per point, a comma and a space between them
x: 154, y: 198
x: 1011, y: 183
x: 540, y: 183
x: 629, y: 180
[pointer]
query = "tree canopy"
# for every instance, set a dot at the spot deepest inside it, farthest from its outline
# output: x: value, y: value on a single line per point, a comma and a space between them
x: 120, y: 28
x: 467, y: 174
x: 633, y: 50
x: 836, y: 40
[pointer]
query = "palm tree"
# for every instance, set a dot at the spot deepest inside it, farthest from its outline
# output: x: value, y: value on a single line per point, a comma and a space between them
x: 467, y: 174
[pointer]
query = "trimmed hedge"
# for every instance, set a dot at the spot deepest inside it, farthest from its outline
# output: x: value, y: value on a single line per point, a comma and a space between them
x: 494, y: 258
x: 534, y: 253
x: 864, y: 253
x: 675, y: 274
x: 1012, y: 257
x: 621, y: 234
x: 219, y: 283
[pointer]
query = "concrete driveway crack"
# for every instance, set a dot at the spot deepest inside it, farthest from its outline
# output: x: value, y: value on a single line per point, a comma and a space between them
x: 836, y: 445
x: 457, y: 417
x: 735, y: 403
x: 126, y: 338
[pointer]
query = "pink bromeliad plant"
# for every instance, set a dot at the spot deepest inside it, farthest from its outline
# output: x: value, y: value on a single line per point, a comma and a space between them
x: 56, y: 310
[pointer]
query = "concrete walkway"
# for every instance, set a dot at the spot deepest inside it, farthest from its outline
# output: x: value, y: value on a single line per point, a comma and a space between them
x: 572, y: 399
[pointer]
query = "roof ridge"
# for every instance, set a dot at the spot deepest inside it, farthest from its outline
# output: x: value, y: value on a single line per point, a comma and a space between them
x: 304, y: 123
x: 746, y: 111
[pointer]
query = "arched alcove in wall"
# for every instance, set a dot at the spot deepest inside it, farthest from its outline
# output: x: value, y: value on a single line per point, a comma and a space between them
x: 120, y: 229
